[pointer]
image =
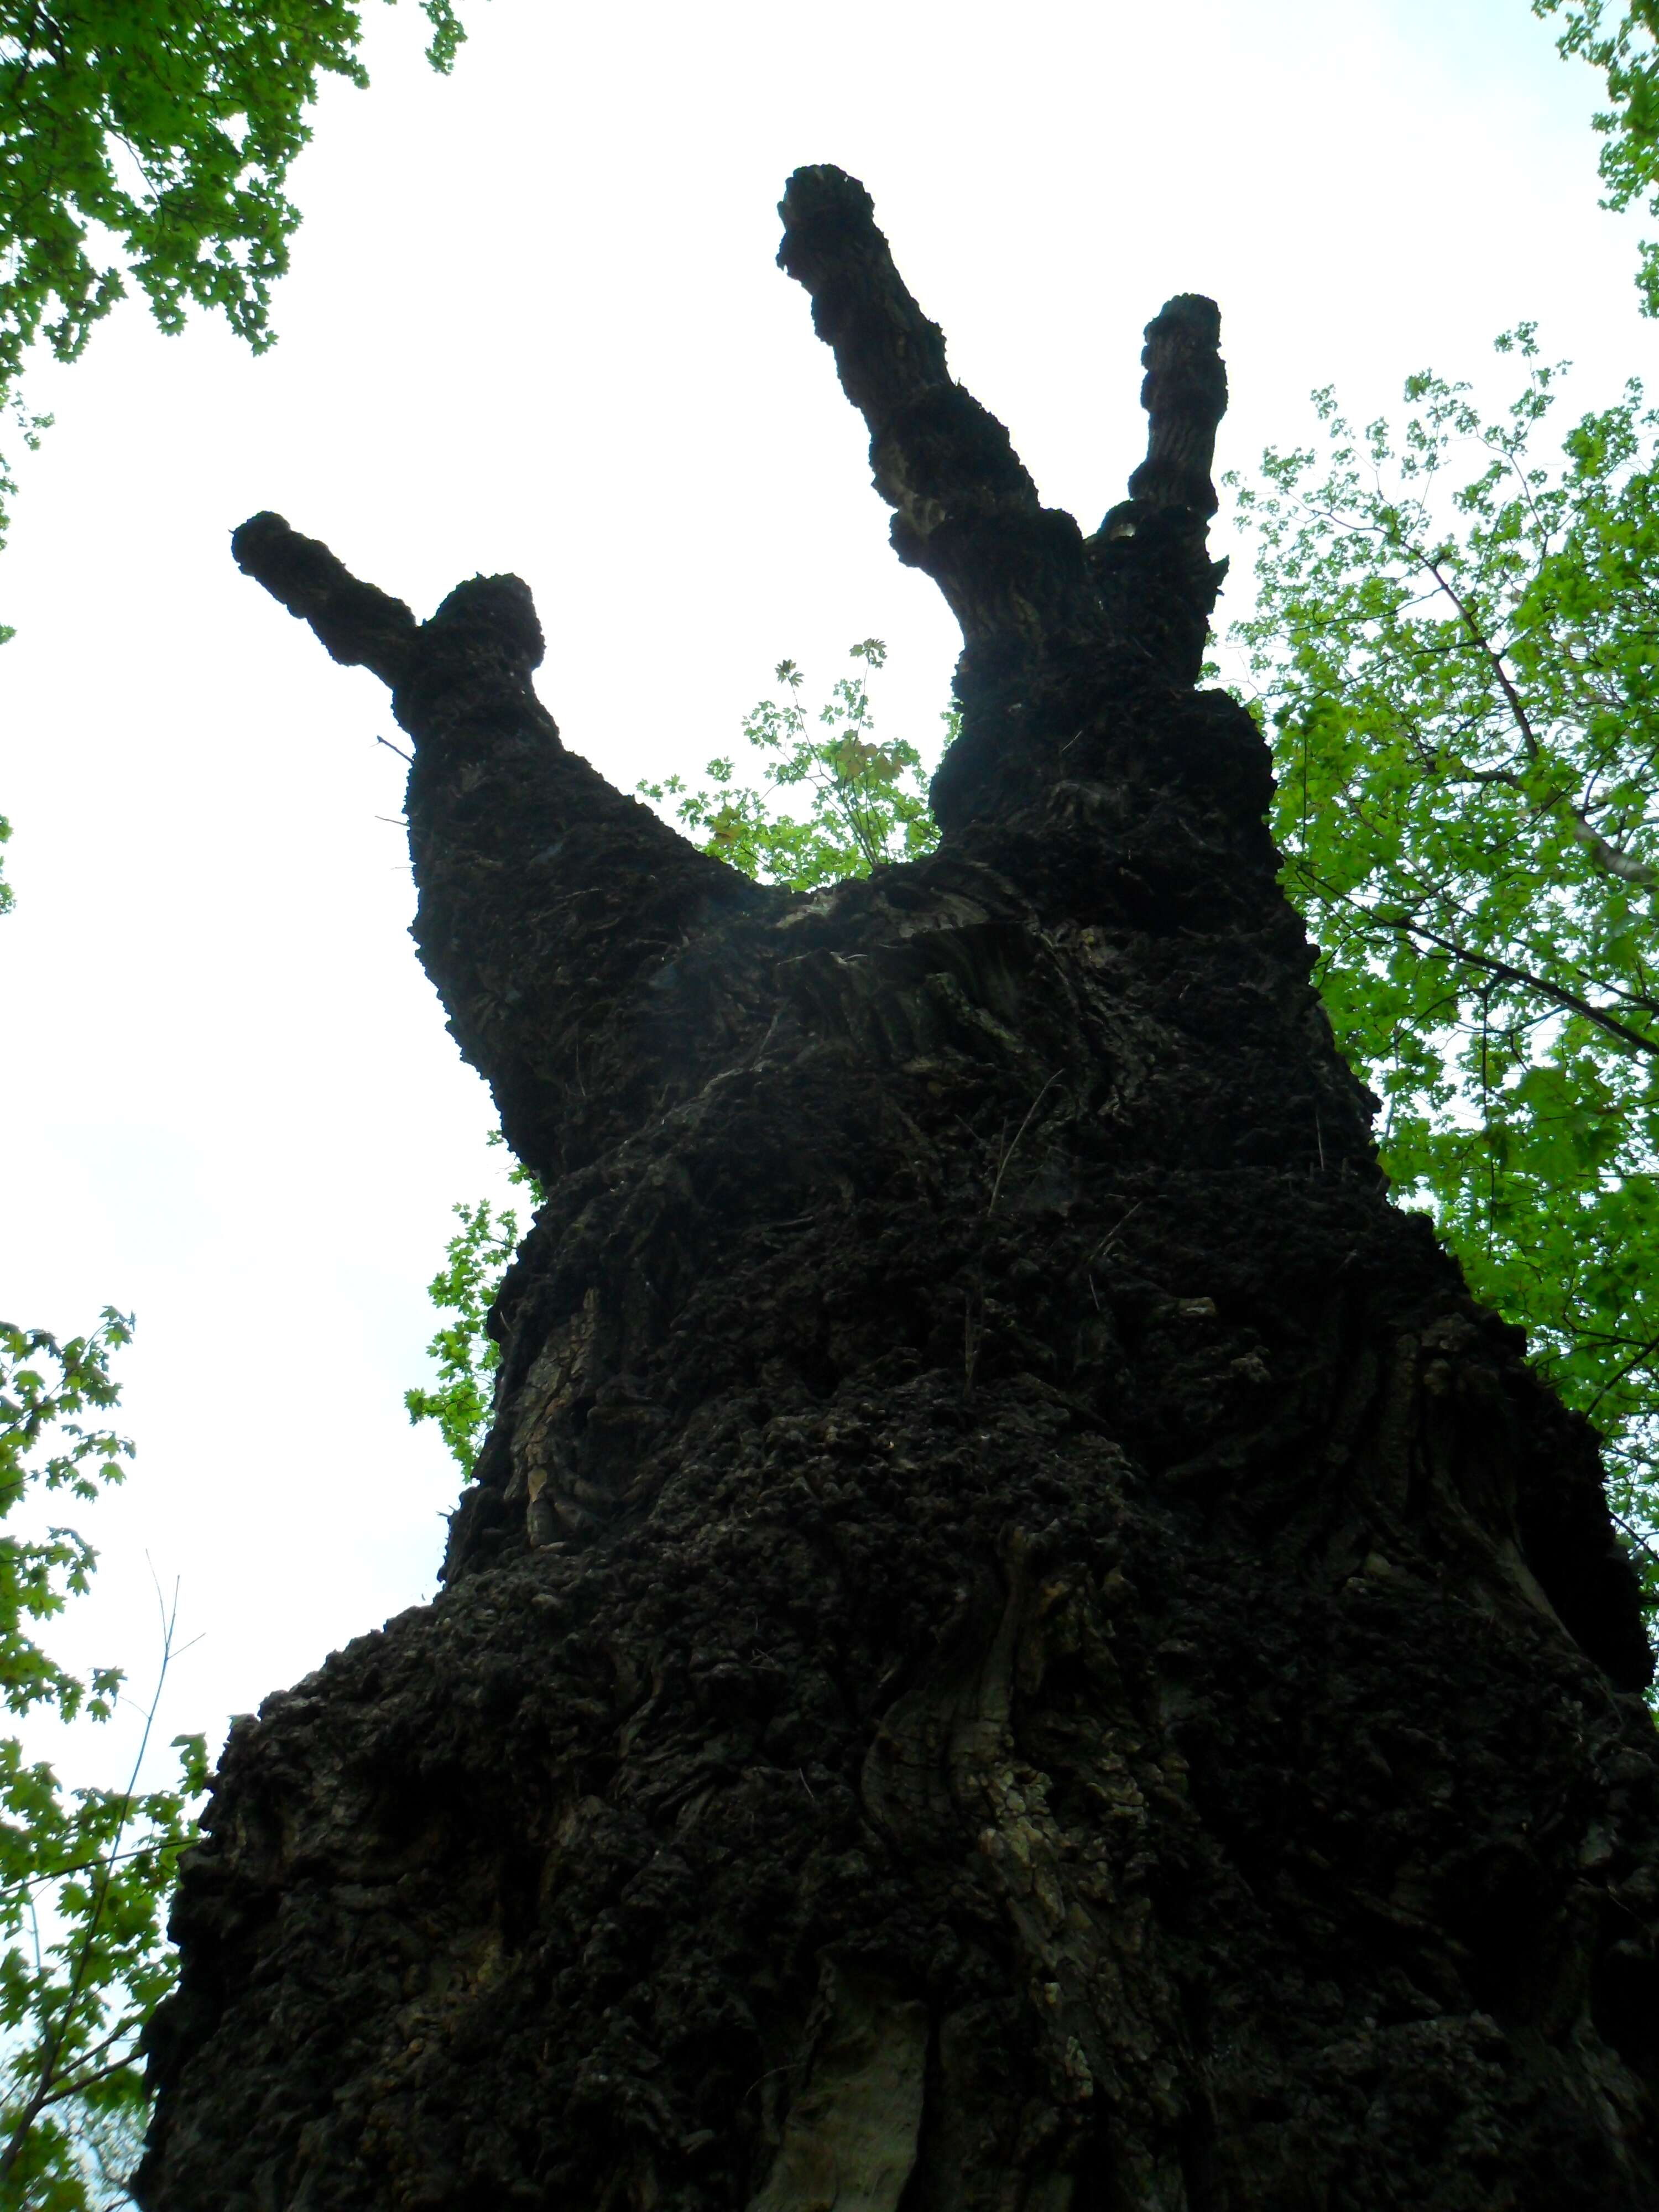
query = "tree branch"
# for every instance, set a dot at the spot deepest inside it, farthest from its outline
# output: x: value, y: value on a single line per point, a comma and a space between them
x: 360, y: 626
x: 966, y: 512
x: 1185, y: 394
x: 1645, y: 1351
x: 1607, y: 857
x: 548, y: 901
x: 1150, y: 556
x: 1505, y: 971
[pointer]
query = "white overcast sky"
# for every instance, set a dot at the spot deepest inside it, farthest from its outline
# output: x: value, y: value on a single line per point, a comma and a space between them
x: 533, y: 324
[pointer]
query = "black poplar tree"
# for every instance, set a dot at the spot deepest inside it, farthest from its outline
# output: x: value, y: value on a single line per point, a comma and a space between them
x: 1018, y: 1641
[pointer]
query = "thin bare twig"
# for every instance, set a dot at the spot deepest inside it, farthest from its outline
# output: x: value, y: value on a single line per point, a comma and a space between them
x: 1009, y: 1151
x: 1635, y: 1535
x: 1112, y: 1235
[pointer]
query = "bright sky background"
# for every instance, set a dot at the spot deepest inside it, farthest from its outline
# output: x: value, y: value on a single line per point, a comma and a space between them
x: 533, y: 324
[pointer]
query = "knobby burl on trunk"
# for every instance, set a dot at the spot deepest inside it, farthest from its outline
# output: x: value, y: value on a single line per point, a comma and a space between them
x: 1020, y: 1640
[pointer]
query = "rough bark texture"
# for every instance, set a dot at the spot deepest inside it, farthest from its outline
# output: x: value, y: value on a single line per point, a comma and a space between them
x: 1019, y: 1641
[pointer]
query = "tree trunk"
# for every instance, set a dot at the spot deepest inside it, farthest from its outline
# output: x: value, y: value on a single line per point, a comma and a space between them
x: 1019, y: 1641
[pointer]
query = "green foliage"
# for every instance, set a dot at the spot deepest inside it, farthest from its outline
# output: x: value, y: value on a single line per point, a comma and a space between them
x: 1625, y: 46
x: 84, y: 1875
x: 5, y: 833
x: 868, y: 797
x: 152, y: 142
x: 868, y: 805
x: 466, y: 1355
x: 46, y: 1389
x: 1455, y: 647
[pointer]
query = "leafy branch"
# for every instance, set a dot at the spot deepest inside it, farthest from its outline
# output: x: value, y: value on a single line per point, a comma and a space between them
x: 84, y: 1875
x: 1623, y: 45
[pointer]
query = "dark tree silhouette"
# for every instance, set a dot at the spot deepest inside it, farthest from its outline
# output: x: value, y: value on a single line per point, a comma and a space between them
x: 1018, y: 1641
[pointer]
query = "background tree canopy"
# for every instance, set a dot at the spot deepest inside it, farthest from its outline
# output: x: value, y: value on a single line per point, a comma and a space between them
x: 153, y: 143
x: 1455, y: 644
x: 867, y: 797
x: 1625, y: 46
x: 86, y: 1875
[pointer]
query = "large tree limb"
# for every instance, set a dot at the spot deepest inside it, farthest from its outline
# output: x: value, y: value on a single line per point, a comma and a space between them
x: 548, y: 901
x: 966, y: 511
x: 1156, y: 582
x: 1185, y: 396
x: 361, y: 626
x: 1014, y: 572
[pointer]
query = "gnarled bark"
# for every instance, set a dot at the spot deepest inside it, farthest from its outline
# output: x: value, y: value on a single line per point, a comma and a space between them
x: 1019, y: 1641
